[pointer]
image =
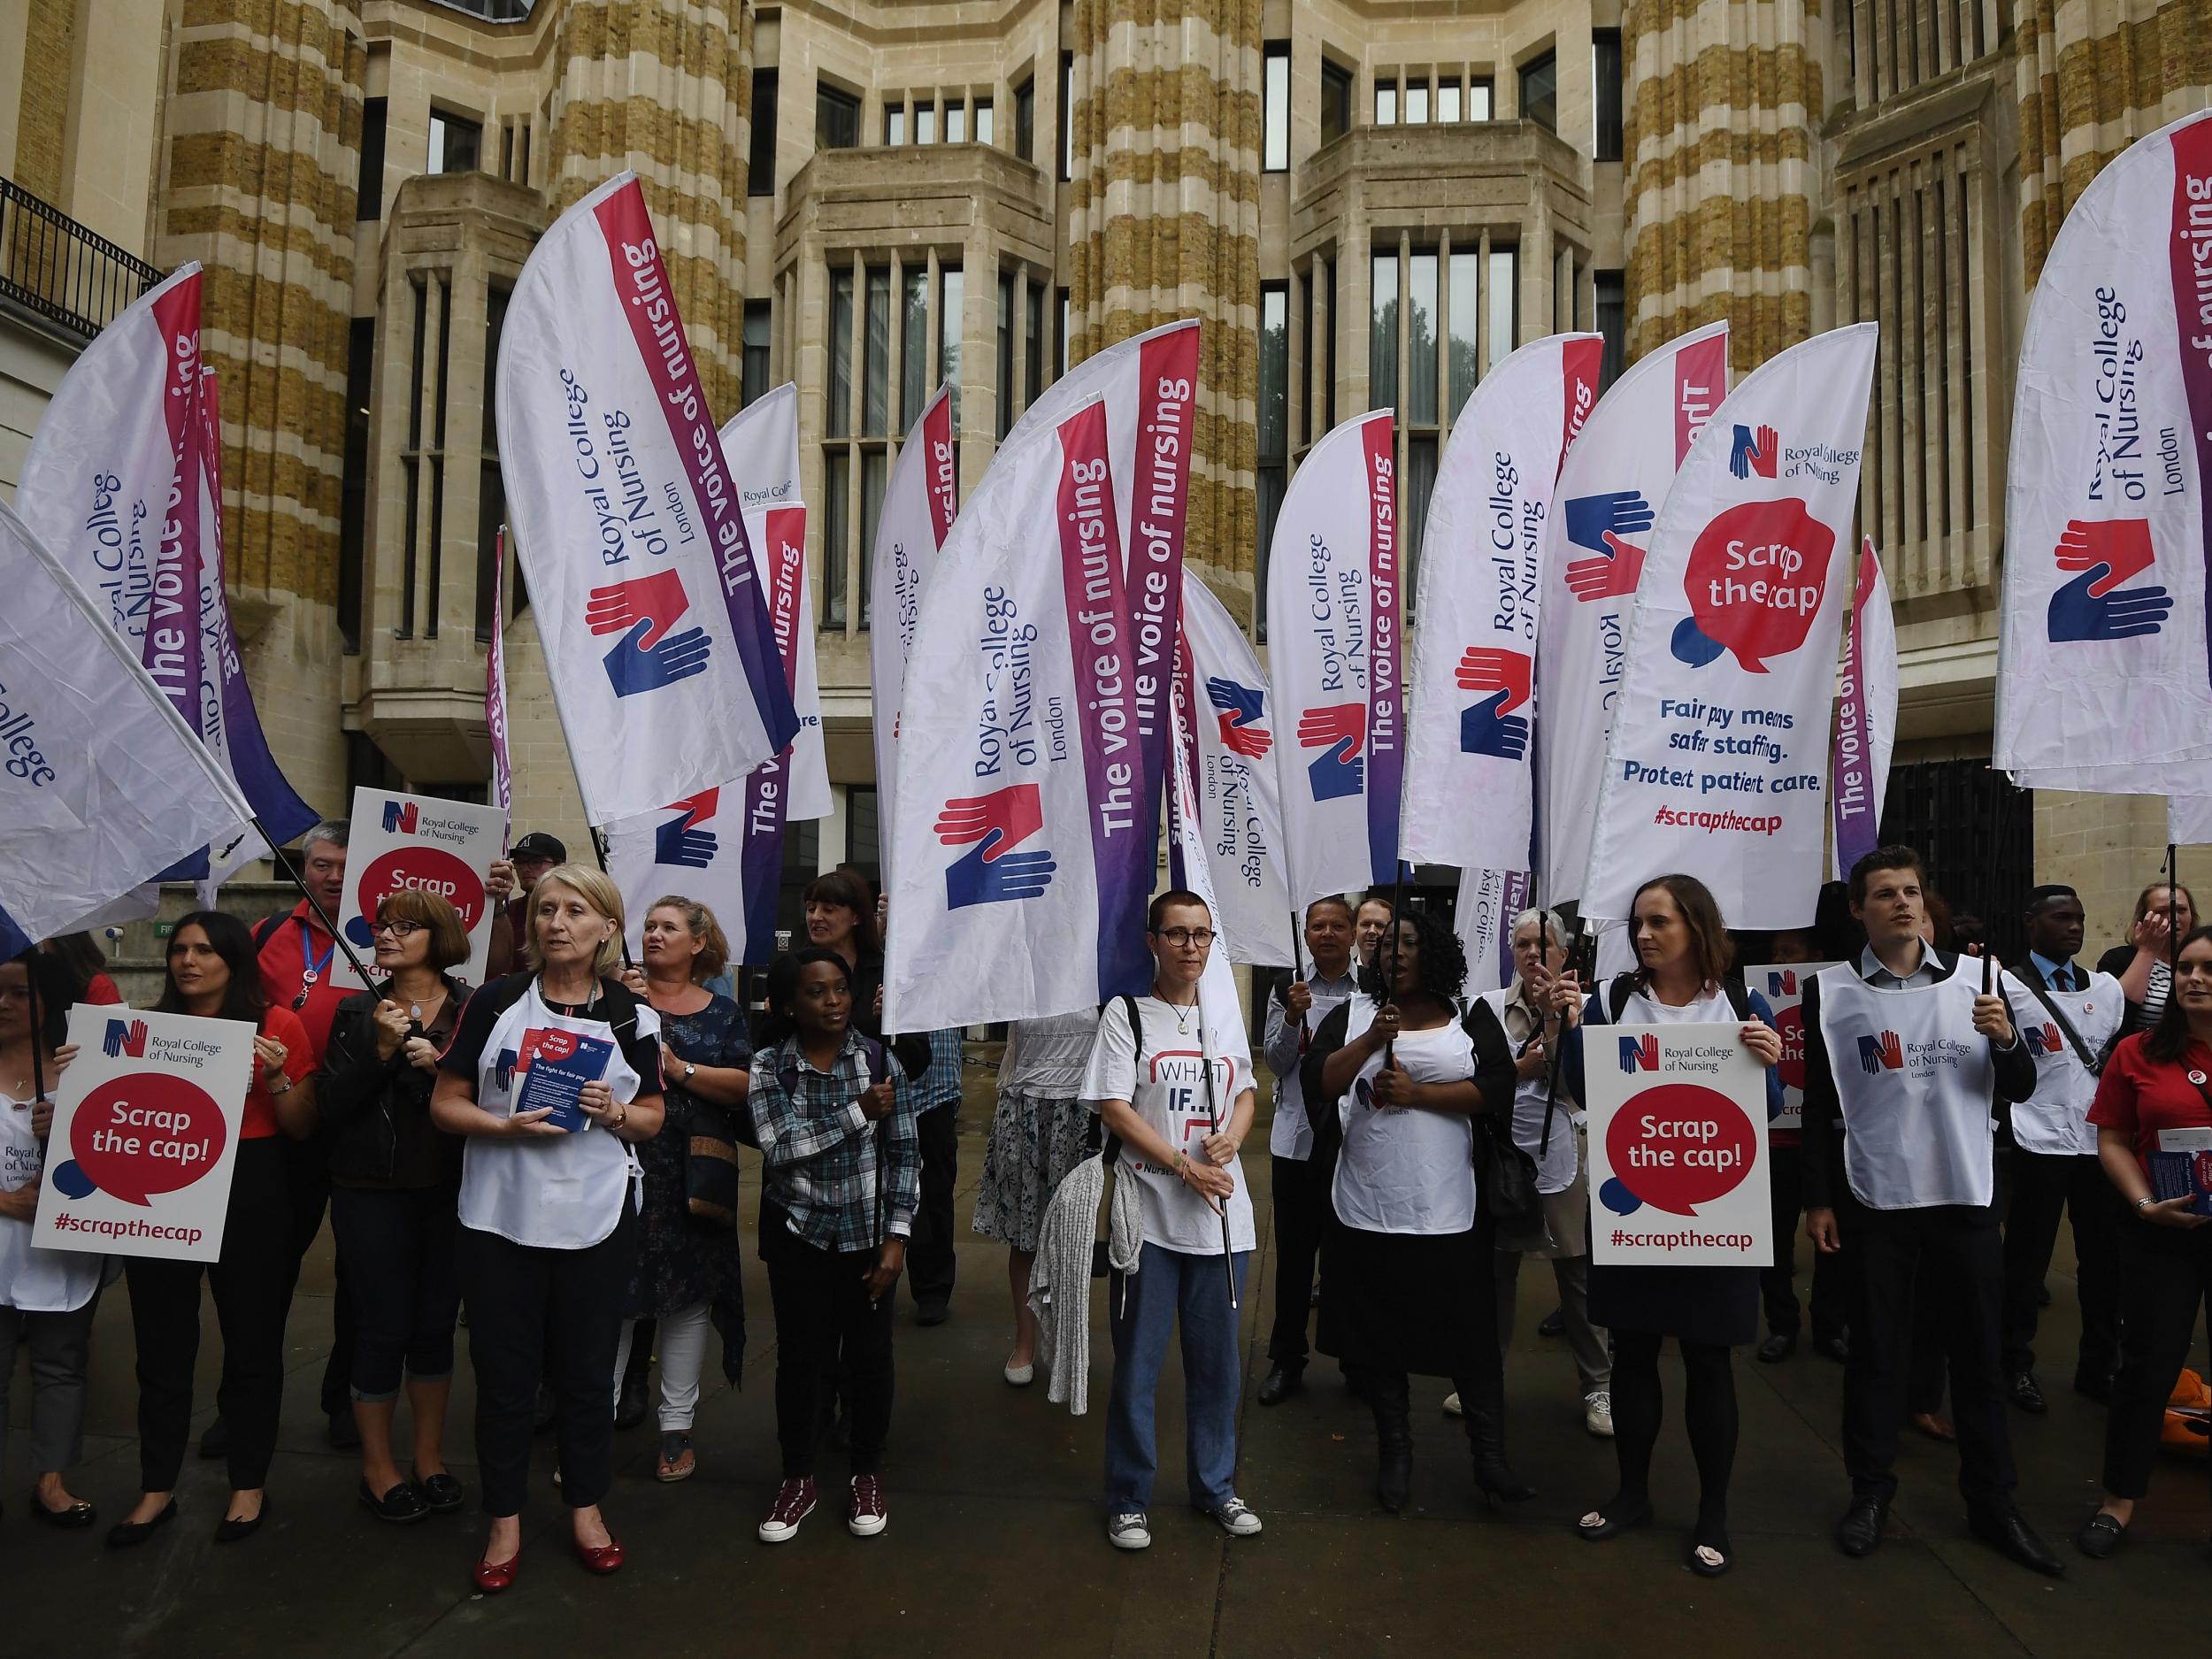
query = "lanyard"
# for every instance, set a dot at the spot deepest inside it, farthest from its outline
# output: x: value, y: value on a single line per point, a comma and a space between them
x: 311, y: 970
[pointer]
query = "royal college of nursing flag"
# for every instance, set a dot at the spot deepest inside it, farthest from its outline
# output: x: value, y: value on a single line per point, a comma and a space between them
x: 103, y: 783
x: 1469, y: 797
x: 1225, y: 739
x: 1866, y: 717
x: 723, y: 846
x: 1611, y: 487
x: 123, y: 485
x: 1718, y: 762
x: 1334, y: 609
x: 1221, y: 1014
x: 2104, y: 668
x: 1023, y: 859
x: 918, y: 506
x: 657, y: 637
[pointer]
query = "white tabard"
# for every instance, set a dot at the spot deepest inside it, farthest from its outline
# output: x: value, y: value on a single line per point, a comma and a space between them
x: 1915, y: 1082
x: 35, y: 1280
x: 2056, y: 1118
x: 1405, y: 1170
x: 561, y: 1193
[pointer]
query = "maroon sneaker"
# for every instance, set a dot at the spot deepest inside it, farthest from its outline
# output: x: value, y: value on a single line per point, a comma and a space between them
x: 868, y: 1517
x: 794, y: 1501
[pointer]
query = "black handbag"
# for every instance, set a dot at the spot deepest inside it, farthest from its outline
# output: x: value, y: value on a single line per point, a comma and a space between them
x: 711, y: 1170
x: 1507, y: 1178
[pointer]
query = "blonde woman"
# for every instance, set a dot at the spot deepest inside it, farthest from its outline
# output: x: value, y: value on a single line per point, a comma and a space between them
x: 549, y: 1200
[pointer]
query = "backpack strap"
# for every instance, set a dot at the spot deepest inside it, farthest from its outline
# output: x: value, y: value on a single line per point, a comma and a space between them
x: 265, y: 929
x: 2092, y: 1064
x: 1617, y: 995
x: 1738, y: 999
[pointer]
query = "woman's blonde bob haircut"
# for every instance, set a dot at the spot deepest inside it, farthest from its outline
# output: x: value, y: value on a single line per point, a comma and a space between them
x: 597, y: 891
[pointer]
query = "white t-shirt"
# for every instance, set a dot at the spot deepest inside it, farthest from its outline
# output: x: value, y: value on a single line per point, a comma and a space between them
x: 35, y: 1280
x: 1169, y: 1095
x: 1404, y: 1169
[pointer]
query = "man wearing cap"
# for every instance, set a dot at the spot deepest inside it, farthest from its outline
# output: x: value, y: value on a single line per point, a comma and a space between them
x: 2072, y: 1017
x: 529, y: 858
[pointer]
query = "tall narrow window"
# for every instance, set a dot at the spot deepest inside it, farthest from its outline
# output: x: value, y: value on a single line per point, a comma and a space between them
x: 759, y: 317
x: 1540, y: 91
x: 1305, y: 350
x: 1605, y: 73
x: 1067, y: 115
x: 1275, y: 107
x: 412, y: 463
x: 837, y: 418
x: 836, y: 118
x: 354, y: 486
x: 924, y: 123
x: 1447, y: 104
x: 1466, y: 364
x: 457, y: 144
x: 1478, y: 101
x: 760, y: 170
x: 955, y: 123
x: 875, y: 465
x: 1610, y: 291
x: 949, y: 297
x: 1063, y: 333
x: 837, y: 473
x: 983, y: 122
x: 1033, y: 363
x: 914, y: 387
x: 875, y: 420
x: 1421, y: 337
x: 1273, y: 434
x: 1005, y: 351
x: 1416, y: 104
x: 1336, y: 100
x: 895, y: 124
x: 1415, y: 487
x: 1385, y: 104
x: 1328, y: 377
x: 1382, y: 349
x: 1026, y: 120
x: 522, y: 155
x: 369, y: 194
x: 491, y: 484
x: 1505, y: 303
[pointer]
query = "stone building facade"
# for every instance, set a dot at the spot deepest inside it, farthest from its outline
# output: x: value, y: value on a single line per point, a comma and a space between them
x: 1367, y: 204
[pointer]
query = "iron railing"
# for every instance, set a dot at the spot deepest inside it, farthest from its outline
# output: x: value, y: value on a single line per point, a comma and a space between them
x: 55, y: 267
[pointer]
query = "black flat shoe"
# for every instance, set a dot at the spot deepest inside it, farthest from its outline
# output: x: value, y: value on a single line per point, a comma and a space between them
x: 1612, y: 1526
x: 1835, y: 1347
x: 2010, y: 1536
x: 1710, y: 1556
x: 442, y: 1492
x: 75, y: 1518
x: 1777, y: 1348
x: 228, y: 1531
x: 2100, y: 1536
x: 1280, y: 1383
x: 401, y: 1506
x: 1859, y: 1533
x: 2022, y: 1390
x: 123, y: 1534
x: 1553, y: 1324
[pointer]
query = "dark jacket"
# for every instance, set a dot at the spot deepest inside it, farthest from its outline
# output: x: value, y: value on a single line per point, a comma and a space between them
x: 1822, y: 1158
x: 375, y: 1113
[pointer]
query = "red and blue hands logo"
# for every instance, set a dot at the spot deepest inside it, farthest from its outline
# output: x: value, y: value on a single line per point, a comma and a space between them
x: 1500, y: 679
x: 644, y: 612
x: 993, y: 826
x: 2094, y: 606
x: 1240, y: 707
x: 1602, y: 524
x: 1755, y: 452
x: 1339, y: 731
x: 124, y: 1040
x: 399, y: 817
x: 1881, y: 1052
x: 1639, y: 1054
x: 681, y: 841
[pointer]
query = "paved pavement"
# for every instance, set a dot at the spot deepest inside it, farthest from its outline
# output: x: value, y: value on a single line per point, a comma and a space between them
x: 996, y: 1541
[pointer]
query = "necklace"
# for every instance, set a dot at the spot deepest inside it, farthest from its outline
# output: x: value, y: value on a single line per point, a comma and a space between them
x: 1183, y: 1011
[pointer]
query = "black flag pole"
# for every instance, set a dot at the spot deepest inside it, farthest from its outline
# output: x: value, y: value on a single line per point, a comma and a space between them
x: 1213, y: 1126
x: 330, y: 925
x: 1555, y: 1060
x: 38, y: 1065
x: 2173, y: 904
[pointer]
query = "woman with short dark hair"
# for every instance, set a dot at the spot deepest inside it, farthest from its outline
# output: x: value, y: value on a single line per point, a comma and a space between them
x: 395, y: 1197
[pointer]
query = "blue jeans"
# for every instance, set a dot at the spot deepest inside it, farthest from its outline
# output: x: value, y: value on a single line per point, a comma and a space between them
x: 1166, y: 1284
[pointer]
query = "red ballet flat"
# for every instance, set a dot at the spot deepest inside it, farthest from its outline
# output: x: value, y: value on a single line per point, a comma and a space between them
x: 602, y: 1558
x: 492, y: 1577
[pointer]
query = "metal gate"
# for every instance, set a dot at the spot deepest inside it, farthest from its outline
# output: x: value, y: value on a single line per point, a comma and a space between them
x: 1977, y: 834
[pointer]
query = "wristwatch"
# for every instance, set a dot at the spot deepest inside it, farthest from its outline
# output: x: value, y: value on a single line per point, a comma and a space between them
x: 690, y: 1072
x: 284, y: 1088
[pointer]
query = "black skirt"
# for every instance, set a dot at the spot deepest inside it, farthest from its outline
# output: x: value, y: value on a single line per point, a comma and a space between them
x: 1718, y: 1305
x: 1422, y: 1303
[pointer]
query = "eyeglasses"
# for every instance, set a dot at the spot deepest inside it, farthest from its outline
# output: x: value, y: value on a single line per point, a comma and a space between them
x: 1184, y: 938
x: 399, y: 930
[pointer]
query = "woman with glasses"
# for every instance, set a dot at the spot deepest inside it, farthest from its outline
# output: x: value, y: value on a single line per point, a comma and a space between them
x: 1176, y: 1092
x: 395, y: 1196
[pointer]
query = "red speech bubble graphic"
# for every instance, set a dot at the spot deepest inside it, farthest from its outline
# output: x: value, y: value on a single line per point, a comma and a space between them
x: 1678, y: 1146
x: 1757, y: 574
x: 432, y: 869
x: 1789, y: 1025
x: 146, y: 1133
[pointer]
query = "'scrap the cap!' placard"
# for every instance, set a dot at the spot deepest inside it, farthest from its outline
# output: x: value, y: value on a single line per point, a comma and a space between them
x: 1677, y: 1146
x: 145, y: 1135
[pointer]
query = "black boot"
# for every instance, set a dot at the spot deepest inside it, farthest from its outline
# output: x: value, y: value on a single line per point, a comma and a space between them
x: 1484, y: 1403
x: 1393, y: 1441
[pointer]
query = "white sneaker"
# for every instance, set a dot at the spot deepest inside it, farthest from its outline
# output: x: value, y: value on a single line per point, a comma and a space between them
x: 1128, y: 1532
x: 1236, y: 1518
x: 1451, y: 1405
x: 1597, y: 1413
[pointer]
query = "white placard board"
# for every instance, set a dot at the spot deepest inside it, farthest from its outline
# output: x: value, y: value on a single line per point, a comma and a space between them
x: 411, y: 840
x: 1783, y: 984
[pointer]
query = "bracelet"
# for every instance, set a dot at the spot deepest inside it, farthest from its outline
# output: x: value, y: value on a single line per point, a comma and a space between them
x: 275, y: 1089
x: 2145, y: 1202
x: 623, y: 1108
x: 1181, y: 1160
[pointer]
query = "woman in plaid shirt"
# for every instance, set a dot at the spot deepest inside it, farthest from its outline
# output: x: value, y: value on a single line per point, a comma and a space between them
x: 840, y: 1181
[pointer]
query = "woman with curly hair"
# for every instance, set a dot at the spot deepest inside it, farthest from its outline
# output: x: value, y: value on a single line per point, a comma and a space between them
x: 1406, y: 1286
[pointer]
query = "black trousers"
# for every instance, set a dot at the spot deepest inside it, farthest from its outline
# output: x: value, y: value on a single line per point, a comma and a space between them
x: 550, y: 1314
x: 252, y: 1283
x: 929, y: 1255
x: 1300, y: 1194
x: 1710, y: 1416
x: 2043, y: 1184
x: 398, y: 1250
x: 307, y: 1175
x: 1884, y: 1252
x: 2166, y: 1275
x: 822, y: 1310
x: 1778, y: 1288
